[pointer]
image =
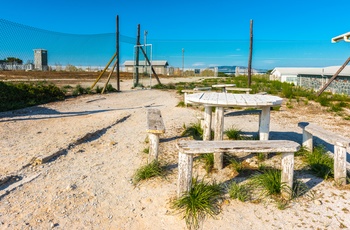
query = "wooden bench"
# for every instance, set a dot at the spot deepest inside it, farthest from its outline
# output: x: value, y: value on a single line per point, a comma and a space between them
x: 194, y: 90
x: 155, y: 127
x: 341, y: 145
x: 187, y: 149
x: 244, y: 112
x: 246, y: 90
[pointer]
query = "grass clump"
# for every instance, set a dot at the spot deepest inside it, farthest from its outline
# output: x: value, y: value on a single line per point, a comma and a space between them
x: 239, y: 191
x: 194, y: 130
x: 269, y: 181
x: 200, y: 202
x: 153, y: 169
x: 320, y: 162
x: 234, y: 134
x: 208, y: 160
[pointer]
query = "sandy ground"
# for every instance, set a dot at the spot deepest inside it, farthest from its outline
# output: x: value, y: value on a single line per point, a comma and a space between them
x: 98, y: 143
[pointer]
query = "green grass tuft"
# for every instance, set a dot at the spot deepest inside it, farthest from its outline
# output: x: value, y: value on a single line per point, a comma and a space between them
x: 269, y: 182
x: 320, y: 162
x: 239, y: 191
x: 148, y: 171
x: 194, y: 130
x: 200, y: 202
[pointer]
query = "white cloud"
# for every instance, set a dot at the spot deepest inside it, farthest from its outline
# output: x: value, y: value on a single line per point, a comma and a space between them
x: 197, y: 64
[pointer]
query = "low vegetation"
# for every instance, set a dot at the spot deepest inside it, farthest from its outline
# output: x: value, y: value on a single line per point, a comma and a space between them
x: 200, y: 202
x: 21, y: 95
x: 153, y: 169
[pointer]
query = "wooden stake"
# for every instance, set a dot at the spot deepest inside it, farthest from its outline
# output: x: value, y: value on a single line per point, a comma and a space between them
x: 250, y: 55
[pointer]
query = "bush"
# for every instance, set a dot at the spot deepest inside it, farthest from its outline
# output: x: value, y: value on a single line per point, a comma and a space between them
x: 195, y: 130
x: 17, y: 96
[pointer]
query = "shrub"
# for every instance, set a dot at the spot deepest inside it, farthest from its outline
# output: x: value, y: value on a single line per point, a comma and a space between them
x: 16, y: 96
x: 201, y: 201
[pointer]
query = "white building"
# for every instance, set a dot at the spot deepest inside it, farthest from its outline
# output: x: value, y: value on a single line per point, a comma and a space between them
x: 160, y: 67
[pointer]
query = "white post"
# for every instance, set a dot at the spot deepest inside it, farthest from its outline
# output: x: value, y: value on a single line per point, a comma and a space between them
x: 153, y: 147
x: 207, y: 123
x: 287, y: 173
x: 184, y: 180
x: 307, y: 140
x: 218, y: 135
x: 340, y: 165
x: 264, y: 126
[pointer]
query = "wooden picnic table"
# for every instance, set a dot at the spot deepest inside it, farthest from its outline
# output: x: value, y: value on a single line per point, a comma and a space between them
x: 223, y: 86
x: 221, y: 100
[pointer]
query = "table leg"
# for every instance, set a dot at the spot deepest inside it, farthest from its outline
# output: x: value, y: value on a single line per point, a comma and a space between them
x: 218, y: 136
x: 264, y: 126
x: 219, y: 123
x: 207, y: 123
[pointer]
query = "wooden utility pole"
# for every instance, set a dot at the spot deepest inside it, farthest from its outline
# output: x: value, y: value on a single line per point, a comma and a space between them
x: 250, y: 55
x: 117, y: 51
x: 333, y: 77
x: 137, y: 56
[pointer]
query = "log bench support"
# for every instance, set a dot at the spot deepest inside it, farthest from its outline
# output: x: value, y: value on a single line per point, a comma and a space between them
x: 188, y: 149
x: 155, y: 127
x: 341, y: 144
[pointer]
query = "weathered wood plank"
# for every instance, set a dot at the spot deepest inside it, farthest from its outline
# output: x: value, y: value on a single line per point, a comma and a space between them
x: 246, y: 146
x: 326, y: 135
x: 155, y: 122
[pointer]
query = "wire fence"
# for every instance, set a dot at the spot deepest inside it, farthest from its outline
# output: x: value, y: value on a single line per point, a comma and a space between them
x: 95, y: 50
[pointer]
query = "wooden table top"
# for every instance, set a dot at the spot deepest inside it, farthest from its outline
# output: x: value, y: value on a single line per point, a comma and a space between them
x: 230, y: 99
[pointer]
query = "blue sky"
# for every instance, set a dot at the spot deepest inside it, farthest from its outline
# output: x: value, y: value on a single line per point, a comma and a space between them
x: 286, y: 33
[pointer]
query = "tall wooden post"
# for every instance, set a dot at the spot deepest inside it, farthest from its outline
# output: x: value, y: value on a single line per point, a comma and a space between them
x: 117, y: 51
x: 137, y: 56
x: 250, y: 55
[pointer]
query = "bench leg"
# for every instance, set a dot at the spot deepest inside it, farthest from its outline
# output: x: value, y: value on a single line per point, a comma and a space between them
x: 184, y: 181
x: 153, y: 147
x: 307, y: 140
x: 207, y: 123
x: 287, y: 174
x: 185, y: 99
x: 340, y: 165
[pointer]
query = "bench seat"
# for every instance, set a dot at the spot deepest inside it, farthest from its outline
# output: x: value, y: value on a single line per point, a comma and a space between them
x: 341, y: 146
x: 155, y: 127
x: 187, y: 149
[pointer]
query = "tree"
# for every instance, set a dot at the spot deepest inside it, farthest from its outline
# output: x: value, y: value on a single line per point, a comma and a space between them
x: 13, y: 60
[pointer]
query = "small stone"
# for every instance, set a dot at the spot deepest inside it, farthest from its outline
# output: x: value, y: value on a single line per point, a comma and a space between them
x: 317, y: 202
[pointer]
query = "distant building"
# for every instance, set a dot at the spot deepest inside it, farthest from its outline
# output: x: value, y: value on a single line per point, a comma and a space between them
x: 160, y: 67
x: 40, y: 60
x: 315, y: 78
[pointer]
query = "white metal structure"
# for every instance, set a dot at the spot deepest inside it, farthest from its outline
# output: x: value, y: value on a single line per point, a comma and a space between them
x: 345, y: 37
